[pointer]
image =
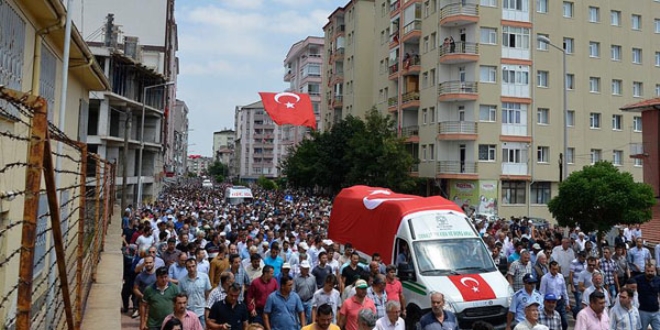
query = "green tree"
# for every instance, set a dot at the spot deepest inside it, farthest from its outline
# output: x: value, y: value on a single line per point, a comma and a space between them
x: 599, y: 197
x: 352, y: 152
x: 218, y: 168
x: 266, y: 183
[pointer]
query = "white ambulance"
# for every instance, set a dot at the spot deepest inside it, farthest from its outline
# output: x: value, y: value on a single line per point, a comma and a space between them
x: 238, y: 194
x: 437, y: 247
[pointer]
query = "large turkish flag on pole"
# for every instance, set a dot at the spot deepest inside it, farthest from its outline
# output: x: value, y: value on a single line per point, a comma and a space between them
x: 289, y: 108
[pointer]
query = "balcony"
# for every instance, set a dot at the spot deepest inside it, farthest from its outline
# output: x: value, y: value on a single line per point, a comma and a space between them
x: 393, y: 69
x: 394, y: 39
x: 394, y: 7
x: 637, y: 150
x: 459, y: 52
x: 411, y: 65
x: 338, y: 55
x: 337, y: 102
x: 458, y: 14
x: 456, y: 169
x: 392, y: 103
x: 457, y: 131
x: 517, y: 169
x: 410, y: 100
x: 412, y: 31
x: 339, y: 30
x: 411, y: 133
x: 455, y: 90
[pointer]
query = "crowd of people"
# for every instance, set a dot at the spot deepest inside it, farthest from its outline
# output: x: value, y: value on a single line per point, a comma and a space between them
x: 194, y: 261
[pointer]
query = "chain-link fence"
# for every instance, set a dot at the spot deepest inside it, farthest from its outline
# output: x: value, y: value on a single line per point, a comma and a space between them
x: 55, y: 203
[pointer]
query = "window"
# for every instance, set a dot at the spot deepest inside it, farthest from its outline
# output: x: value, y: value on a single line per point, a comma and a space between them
x: 515, y: 37
x: 570, y: 153
x: 616, y: 86
x: 596, y: 155
x: 542, y: 77
x: 434, y: 40
x: 488, y: 36
x: 431, y: 151
x: 656, y: 25
x: 617, y: 122
x: 520, y: 5
x: 638, y: 90
x: 511, y: 113
x: 637, y: 55
x: 424, y: 116
x: 657, y: 58
x: 488, y: 3
x: 594, y: 49
x: 513, y: 192
x: 615, y: 53
x: 570, y: 118
x: 638, y: 162
x: 425, y: 79
x: 432, y: 76
x: 657, y: 89
x: 568, y: 9
x: 617, y: 157
x: 570, y: 81
x: 541, y: 6
x: 487, y: 112
x: 594, y: 120
x: 424, y: 152
x: 540, y: 192
x: 637, y: 124
x: 542, y: 154
x: 487, y: 152
x: 615, y: 17
x: 12, y: 48
x: 568, y: 45
x: 636, y: 22
x: 594, y: 84
x: 594, y: 14
x: 488, y: 74
x: 541, y: 45
x: 432, y: 115
x: 426, y: 45
x: 512, y: 76
x: 543, y: 116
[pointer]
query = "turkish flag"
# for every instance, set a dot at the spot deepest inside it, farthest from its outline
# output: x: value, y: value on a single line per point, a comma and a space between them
x: 289, y: 108
x: 472, y: 287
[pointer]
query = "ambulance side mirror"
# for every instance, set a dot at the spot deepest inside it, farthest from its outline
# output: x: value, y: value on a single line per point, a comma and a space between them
x: 406, y: 272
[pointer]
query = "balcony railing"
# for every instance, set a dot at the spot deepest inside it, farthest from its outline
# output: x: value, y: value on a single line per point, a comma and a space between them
x: 458, y: 8
x: 410, y: 131
x: 457, y: 127
x: 410, y: 96
x: 456, y: 167
x: 392, y: 101
x: 394, y: 68
x: 415, y: 25
x: 394, y: 6
x: 458, y: 87
x: 409, y: 60
x: 459, y: 47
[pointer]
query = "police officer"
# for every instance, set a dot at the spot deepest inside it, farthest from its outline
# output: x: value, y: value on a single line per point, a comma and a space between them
x: 520, y: 299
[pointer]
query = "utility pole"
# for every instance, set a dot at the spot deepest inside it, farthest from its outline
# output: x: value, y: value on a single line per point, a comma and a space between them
x: 127, y: 130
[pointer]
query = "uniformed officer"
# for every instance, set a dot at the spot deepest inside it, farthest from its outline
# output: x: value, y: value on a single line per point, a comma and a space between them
x: 520, y: 299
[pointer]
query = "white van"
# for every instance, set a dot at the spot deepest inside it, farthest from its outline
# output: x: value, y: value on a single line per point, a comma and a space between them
x: 238, y: 194
x: 207, y: 184
x: 443, y: 250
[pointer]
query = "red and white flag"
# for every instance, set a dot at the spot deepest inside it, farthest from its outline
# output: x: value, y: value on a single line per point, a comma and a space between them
x: 472, y: 287
x: 289, y: 108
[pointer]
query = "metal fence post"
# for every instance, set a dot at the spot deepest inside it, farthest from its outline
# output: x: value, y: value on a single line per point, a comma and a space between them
x: 81, y: 234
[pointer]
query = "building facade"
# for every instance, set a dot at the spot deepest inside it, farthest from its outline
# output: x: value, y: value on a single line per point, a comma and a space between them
x: 198, y: 164
x: 138, y: 55
x: 179, y: 124
x: 480, y: 99
x: 258, y: 147
x: 223, y: 139
x: 303, y: 71
x: 32, y: 48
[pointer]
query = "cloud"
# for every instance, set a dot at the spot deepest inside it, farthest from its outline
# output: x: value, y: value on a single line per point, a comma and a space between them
x: 242, y: 4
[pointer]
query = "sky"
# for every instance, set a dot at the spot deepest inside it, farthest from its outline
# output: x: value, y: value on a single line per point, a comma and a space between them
x: 229, y: 50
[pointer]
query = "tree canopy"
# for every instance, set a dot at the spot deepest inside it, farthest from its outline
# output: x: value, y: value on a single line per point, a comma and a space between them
x: 599, y: 197
x: 354, y: 151
x: 218, y: 171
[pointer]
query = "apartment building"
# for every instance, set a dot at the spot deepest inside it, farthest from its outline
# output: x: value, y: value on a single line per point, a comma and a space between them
x: 138, y: 55
x: 347, y: 77
x: 258, y: 147
x: 480, y: 99
x: 223, y: 147
x: 198, y: 164
x: 302, y: 70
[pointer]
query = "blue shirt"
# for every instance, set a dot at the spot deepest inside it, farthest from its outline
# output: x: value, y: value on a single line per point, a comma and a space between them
x: 196, y: 289
x: 276, y: 262
x: 177, y: 272
x: 283, y: 311
x: 555, y: 285
x: 520, y: 300
x: 430, y: 322
x: 637, y: 258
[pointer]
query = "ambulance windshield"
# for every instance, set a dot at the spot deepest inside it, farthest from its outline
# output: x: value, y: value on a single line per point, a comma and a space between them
x: 453, y: 257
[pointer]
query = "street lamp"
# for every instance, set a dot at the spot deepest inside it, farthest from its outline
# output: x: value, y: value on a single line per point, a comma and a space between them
x: 144, y: 101
x: 564, y: 164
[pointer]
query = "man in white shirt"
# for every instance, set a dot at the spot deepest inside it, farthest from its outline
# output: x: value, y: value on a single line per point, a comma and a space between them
x: 391, y: 321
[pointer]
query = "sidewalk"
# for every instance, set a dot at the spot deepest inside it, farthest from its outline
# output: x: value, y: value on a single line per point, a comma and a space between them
x: 104, y: 302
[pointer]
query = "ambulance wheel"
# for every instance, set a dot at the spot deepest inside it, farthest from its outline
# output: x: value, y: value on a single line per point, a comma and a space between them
x: 413, y: 315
